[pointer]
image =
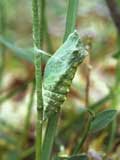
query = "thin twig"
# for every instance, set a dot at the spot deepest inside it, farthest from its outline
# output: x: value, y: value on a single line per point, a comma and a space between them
x: 80, y: 143
x: 88, y: 74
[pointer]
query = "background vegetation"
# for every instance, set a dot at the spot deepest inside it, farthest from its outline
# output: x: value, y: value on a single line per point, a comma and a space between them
x: 96, y: 83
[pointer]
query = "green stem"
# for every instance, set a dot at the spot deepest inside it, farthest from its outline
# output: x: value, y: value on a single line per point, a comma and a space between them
x: 38, y: 23
x: 28, y: 116
x: 36, y: 31
x: 112, y: 135
x: 114, y: 105
x: 117, y: 83
x: 112, y: 128
x: 41, y: 14
x: 49, y: 136
x: 71, y: 17
x: 85, y: 134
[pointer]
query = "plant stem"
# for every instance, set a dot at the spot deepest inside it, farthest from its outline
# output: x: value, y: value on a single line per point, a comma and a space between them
x: 52, y: 121
x: 88, y: 74
x: 41, y: 14
x: 85, y: 134
x: 28, y: 116
x: 36, y: 31
x: 38, y: 22
x: 49, y: 137
x: 113, y: 124
x: 71, y: 17
x: 112, y: 135
x: 114, y: 105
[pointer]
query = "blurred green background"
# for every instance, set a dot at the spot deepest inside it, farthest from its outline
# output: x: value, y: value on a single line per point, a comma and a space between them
x: 16, y: 50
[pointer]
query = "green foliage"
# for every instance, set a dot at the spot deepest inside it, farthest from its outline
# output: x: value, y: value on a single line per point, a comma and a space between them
x: 117, y: 55
x: 53, y: 83
x: 7, y: 140
x: 71, y: 17
x: 12, y: 155
x: 77, y: 157
x: 102, y: 119
x: 25, y: 54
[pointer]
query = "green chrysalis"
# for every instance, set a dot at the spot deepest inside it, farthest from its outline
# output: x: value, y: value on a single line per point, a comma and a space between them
x: 59, y: 72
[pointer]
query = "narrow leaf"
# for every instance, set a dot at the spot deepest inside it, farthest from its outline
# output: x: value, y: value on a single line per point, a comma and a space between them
x: 102, y: 119
x: 116, y: 55
x: 25, y: 54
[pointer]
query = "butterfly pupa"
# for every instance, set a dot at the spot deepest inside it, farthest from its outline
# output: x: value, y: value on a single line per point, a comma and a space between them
x: 59, y: 73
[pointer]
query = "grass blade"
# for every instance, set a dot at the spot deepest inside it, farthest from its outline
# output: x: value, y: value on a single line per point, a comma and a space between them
x: 71, y: 17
